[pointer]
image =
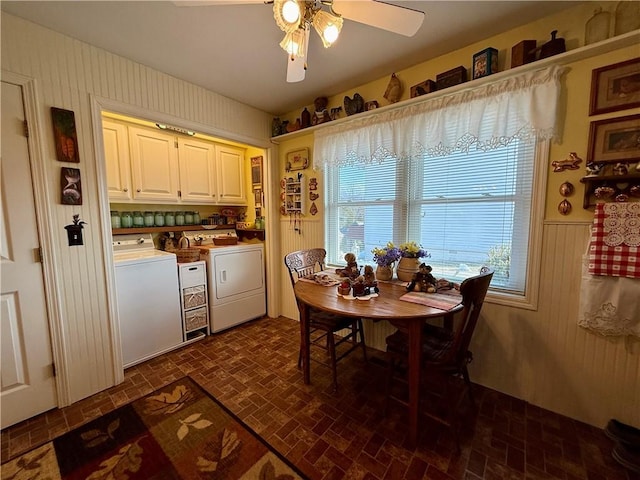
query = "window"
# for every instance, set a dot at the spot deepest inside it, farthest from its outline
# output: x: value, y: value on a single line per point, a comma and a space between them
x: 455, y: 172
x: 467, y: 209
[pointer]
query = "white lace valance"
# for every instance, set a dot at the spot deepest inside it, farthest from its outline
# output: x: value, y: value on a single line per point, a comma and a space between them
x: 522, y: 106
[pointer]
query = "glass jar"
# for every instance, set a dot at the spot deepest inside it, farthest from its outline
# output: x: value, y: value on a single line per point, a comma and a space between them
x: 149, y: 218
x: 188, y: 218
x: 138, y: 219
x: 179, y: 218
x: 170, y: 219
x: 126, y: 220
x: 196, y: 218
x: 115, y: 219
x: 158, y: 219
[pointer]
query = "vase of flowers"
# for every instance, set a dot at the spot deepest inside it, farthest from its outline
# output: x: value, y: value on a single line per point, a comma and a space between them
x: 385, y: 259
x: 410, y: 255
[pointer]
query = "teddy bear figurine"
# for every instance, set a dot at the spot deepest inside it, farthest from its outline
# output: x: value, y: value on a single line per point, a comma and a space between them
x: 351, y: 270
x: 422, y: 280
x: 321, y: 114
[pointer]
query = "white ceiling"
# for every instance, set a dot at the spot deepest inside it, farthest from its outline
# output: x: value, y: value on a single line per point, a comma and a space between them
x: 232, y: 49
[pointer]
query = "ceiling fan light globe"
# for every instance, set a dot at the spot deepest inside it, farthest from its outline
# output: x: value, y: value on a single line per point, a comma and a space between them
x: 294, y: 43
x: 328, y: 27
x: 286, y: 14
x: 291, y: 11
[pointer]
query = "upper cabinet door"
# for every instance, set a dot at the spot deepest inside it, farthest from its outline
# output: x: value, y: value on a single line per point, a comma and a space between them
x: 197, y: 171
x: 116, y: 152
x: 230, y: 172
x: 154, y: 162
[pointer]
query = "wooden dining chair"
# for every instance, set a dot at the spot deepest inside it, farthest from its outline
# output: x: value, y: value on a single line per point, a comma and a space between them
x: 445, y: 356
x: 324, y: 325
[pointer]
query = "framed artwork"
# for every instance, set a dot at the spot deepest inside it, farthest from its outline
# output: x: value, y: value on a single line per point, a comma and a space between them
x: 256, y: 171
x: 65, y: 136
x: 615, y: 87
x: 257, y: 197
x: 70, y: 186
x: 615, y: 140
x: 298, y: 159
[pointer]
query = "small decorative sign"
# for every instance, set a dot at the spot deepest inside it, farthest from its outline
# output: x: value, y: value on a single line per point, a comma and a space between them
x: 298, y: 159
x: 64, y: 131
x: 70, y: 186
x: 485, y: 63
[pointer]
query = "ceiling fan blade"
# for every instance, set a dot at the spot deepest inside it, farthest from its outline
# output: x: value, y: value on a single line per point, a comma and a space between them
x: 295, y: 69
x: 393, y: 18
x: 297, y: 66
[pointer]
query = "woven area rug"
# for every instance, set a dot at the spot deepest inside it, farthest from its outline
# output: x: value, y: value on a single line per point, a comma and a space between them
x: 178, y: 431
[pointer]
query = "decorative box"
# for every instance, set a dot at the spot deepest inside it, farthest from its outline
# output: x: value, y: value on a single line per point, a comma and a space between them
x: 451, y: 77
x: 485, y: 62
x: 523, y: 52
x: 423, y: 88
x: 553, y: 46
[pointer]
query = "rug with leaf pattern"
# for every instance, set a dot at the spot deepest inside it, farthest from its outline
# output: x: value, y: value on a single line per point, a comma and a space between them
x: 178, y: 431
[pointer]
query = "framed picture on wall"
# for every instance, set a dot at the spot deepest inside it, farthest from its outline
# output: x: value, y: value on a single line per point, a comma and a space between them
x: 65, y: 136
x: 70, y: 186
x: 615, y: 140
x: 615, y: 87
x: 256, y: 171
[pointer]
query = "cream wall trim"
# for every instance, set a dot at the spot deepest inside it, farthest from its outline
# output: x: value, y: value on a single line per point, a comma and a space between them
x: 49, y: 257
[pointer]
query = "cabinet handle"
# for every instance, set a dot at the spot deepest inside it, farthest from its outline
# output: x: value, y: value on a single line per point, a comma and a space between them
x: 125, y: 189
x: 138, y: 190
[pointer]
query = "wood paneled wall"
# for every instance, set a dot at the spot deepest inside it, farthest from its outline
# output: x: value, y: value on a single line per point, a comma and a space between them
x: 67, y: 74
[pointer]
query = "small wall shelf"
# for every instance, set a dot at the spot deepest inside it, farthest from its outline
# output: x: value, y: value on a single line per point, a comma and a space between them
x: 620, y: 183
x: 295, y: 193
x: 177, y: 228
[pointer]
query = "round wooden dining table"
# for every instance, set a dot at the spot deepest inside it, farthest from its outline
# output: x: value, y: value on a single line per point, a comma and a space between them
x: 406, y: 316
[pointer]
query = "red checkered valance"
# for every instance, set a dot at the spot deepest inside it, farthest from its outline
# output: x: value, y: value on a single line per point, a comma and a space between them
x: 614, y: 248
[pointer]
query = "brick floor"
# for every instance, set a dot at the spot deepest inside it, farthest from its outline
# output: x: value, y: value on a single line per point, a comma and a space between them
x: 252, y: 370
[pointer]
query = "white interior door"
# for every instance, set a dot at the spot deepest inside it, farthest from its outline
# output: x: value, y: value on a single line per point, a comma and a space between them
x: 27, y: 381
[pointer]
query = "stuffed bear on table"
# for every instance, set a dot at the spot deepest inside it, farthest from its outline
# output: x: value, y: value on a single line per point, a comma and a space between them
x: 422, y: 280
x: 351, y: 270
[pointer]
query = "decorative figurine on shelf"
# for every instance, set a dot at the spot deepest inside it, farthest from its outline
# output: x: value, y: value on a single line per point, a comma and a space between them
x: 594, y: 169
x: 355, y: 105
x: 620, y: 168
x: 422, y: 280
x: 351, y: 270
x: 394, y: 89
x: 321, y: 114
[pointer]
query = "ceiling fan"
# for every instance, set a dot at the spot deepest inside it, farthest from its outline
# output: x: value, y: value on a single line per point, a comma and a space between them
x: 296, y: 17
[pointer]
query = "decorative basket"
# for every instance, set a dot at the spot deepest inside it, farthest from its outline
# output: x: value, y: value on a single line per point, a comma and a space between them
x: 188, y: 255
x: 225, y: 240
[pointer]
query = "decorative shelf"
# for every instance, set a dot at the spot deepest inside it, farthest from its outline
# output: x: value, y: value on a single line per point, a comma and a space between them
x: 177, y: 228
x: 620, y: 183
x: 577, y: 54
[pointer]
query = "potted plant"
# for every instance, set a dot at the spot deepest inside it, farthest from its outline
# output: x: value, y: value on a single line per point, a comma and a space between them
x: 410, y: 255
x: 385, y: 258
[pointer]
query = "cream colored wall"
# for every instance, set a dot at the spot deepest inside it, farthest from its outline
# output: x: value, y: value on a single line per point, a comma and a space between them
x: 540, y: 356
x: 68, y: 73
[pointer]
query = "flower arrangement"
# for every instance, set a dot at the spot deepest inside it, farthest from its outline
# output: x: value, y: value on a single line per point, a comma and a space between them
x: 412, y: 250
x: 387, y: 255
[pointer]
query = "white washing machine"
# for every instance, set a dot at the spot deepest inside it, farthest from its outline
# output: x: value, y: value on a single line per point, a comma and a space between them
x: 236, y: 279
x: 148, y: 298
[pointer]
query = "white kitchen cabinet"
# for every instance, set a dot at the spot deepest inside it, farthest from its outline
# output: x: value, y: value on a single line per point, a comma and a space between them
x: 154, y: 165
x: 116, y: 152
x: 197, y: 171
x: 147, y: 165
x: 231, y: 178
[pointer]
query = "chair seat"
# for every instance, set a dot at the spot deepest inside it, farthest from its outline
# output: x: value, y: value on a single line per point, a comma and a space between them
x: 437, y: 342
x: 329, y: 321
